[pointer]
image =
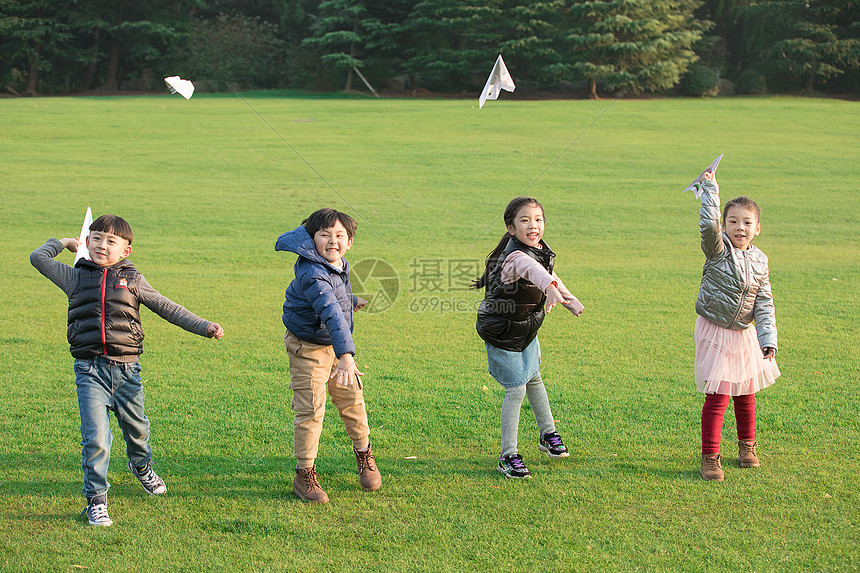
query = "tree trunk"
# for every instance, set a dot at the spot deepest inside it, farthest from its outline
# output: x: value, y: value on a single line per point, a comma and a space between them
x: 810, y: 79
x: 113, y: 66
x: 33, y: 71
x: 351, y: 56
x: 91, y: 67
x: 592, y: 89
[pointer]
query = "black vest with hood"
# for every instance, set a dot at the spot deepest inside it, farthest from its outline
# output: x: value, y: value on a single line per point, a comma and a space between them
x: 104, y: 315
x: 511, y: 314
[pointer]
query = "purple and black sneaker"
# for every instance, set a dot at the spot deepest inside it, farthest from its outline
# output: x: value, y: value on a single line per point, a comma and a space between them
x: 512, y: 466
x: 551, y: 444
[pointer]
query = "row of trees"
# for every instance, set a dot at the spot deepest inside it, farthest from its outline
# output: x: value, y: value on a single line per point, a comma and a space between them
x: 63, y: 46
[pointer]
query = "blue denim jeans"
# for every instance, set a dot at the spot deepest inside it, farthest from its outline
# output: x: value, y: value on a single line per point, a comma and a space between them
x: 105, y: 386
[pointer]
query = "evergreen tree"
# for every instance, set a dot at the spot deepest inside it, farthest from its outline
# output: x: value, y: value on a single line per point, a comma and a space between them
x: 450, y: 41
x: 804, y: 41
x: 530, y: 38
x: 31, y: 33
x: 640, y: 45
x: 340, y: 32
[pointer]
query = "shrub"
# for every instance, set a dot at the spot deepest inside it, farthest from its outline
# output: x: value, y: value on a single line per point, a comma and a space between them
x: 750, y: 82
x: 699, y: 81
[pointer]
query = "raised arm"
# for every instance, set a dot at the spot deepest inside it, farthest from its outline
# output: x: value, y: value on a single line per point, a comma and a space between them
x: 709, y: 221
x: 59, y: 273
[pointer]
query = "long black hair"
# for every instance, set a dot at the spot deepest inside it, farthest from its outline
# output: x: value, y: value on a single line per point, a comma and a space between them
x: 510, y: 215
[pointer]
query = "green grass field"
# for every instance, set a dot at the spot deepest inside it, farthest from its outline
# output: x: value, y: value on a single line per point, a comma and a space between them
x: 208, y: 187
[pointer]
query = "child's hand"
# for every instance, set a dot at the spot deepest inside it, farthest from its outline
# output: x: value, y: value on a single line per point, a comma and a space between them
x: 347, y: 371
x: 360, y: 304
x: 709, y: 176
x: 769, y: 353
x: 553, y: 297
x: 71, y: 244
x: 214, y: 331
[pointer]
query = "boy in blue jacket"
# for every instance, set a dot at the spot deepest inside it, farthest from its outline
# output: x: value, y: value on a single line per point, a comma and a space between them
x: 318, y: 314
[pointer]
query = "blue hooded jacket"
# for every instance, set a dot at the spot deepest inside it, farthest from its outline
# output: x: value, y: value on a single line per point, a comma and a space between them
x: 319, y: 301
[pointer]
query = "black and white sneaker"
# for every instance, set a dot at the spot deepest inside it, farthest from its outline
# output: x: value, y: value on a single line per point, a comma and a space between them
x: 551, y: 444
x: 148, y: 479
x: 96, y: 512
x: 513, y: 467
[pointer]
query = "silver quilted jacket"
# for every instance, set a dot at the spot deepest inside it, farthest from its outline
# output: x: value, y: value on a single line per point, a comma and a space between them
x: 735, y: 288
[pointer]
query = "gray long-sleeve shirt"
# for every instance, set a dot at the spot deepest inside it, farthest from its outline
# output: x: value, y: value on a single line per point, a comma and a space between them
x: 66, y: 278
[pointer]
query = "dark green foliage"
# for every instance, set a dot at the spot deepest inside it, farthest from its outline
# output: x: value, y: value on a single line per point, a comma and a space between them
x: 235, y: 48
x: 449, y: 40
x: 750, y: 82
x: 803, y: 43
x: 699, y: 81
x: 639, y: 45
x: 440, y: 45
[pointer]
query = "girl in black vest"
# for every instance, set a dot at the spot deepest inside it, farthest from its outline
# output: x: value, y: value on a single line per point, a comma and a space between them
x: 519, y: 282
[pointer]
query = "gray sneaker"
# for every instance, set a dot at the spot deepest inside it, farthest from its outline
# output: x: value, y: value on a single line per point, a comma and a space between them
x: 96, y: 512
x: 148, y: 479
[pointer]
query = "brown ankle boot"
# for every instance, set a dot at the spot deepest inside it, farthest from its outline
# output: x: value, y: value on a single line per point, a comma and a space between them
x: 369, y: 476
x: 307, y: 486
x: 712, y: 470
x: 746, y: 454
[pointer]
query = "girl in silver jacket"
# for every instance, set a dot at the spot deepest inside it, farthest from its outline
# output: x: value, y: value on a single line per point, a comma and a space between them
x: 732, y: 359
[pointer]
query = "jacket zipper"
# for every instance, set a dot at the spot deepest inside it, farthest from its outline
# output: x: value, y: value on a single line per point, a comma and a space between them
x: 745, y: 289
x: 102, y: 304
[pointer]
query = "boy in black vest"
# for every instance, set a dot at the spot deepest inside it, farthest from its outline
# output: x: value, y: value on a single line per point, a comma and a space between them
x: 106, y: 339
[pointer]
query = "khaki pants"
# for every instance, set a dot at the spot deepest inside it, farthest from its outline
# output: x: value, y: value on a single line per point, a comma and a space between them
x: 311, y: 366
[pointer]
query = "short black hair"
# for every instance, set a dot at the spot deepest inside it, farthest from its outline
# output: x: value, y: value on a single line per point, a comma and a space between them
x: 326, y: 218
x: 113, y: 225
x: 744, y: 202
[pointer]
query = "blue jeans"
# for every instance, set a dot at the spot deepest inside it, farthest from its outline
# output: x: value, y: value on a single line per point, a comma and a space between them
x: 105, y: 386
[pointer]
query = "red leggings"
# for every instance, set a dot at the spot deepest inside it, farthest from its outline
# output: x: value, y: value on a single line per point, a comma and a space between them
x: 713, y: 413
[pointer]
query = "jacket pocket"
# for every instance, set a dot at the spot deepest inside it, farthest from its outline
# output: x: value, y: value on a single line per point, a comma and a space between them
x: 495, y: 326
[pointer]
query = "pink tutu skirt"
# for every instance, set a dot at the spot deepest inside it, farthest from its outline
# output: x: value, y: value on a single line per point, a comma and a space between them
x: 730, y: 361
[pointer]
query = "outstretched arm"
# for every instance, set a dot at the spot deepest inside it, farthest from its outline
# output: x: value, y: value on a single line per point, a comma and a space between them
x: 570, y: 302
x: 176, y: 313
x: 519, y: 264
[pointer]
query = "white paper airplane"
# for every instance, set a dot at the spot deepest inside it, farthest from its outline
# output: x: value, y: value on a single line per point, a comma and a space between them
x: 83, y: 253
x: 500, y: 79
x: 177, y: 85
x: 712, y: 168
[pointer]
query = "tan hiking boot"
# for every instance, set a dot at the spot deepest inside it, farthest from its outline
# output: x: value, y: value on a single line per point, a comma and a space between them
x: 712, y: 470
x: 746, y: 454
x: 368, y: 475
x: 307, y: 486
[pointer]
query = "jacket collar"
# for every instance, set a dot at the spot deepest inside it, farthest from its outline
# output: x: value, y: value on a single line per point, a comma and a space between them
x: 300, y: 242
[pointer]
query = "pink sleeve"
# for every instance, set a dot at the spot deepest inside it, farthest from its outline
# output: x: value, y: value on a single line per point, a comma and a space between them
x: 571, y: 303
x: 520, y: 265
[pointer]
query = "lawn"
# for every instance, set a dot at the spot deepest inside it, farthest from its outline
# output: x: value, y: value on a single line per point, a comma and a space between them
x: 208, y: 186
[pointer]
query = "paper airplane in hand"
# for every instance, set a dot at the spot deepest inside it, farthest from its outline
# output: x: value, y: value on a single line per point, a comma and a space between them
x: 179, y: 86
x: 500, y: 79
x: 694, y: 186
x: 83, y: 253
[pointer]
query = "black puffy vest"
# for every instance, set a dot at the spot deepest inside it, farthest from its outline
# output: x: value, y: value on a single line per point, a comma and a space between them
x: 511, y: 314
x: 104, y: 316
